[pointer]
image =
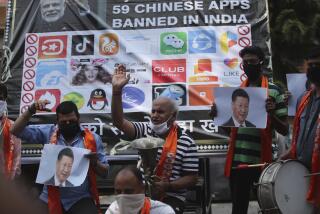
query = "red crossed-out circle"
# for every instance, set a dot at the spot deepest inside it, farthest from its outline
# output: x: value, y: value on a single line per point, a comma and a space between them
x: 30, y: 62
x: 32, y: 39
x: 244, y: 30
x: 31, y: 50
x: 27, y: 98
x: 244, y: 42
x: 243, y: 77
x: 28, y: 86
x: 29, y: 74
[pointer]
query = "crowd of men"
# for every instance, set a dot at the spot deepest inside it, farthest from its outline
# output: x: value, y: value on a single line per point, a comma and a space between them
x: 177, y: 160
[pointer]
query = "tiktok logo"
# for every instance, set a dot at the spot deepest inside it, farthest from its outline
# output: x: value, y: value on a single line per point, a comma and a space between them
x: 82, y: 45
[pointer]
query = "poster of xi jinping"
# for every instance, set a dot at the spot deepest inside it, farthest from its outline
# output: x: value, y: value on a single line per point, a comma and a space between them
x: 63, y: 166
x: 241, y: 107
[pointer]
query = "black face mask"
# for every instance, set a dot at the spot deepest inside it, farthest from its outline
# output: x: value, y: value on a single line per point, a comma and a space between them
x: 313, y: 75
x: 70, y: 130
x: 252, y: 71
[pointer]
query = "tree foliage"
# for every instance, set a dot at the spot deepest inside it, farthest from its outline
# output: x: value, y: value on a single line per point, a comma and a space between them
x: 295, y: 29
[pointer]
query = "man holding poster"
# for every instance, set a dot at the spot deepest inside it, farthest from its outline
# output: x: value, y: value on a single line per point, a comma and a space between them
x: 252, y: 146
x: 68, y: 132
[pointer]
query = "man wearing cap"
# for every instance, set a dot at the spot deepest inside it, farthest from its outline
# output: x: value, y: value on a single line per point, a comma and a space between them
x: 249, y: 145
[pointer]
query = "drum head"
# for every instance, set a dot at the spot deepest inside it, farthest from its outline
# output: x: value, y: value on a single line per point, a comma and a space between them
x: 291, y: 188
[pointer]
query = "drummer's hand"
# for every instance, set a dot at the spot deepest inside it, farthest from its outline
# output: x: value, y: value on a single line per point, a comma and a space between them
x: 270, y: 105
x: 286, y: 96
x: 162, y: 186
x: 39, y: 105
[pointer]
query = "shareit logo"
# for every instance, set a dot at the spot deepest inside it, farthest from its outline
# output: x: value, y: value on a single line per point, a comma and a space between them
x: 173, y: 43
x: 228, y: 40
x: 132, y: 97
x: 201, y: 41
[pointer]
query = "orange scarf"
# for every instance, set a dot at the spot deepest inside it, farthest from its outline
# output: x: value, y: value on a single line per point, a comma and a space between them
x: 8, y: 147
x: 146, y: 207
x: 53, y: 191
x: 265, y: 136
x: 168, y: 155
x: 313, y: 194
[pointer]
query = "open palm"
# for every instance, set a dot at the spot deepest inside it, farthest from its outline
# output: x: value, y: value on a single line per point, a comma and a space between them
x: 119, y: 78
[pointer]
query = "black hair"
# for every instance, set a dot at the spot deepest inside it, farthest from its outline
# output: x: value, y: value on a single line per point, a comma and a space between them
x: 253, y: 50
x: 67, y: 107
x: 135, y: 171
x: 65, y: 152
x: 239, y: 93
x: 314, y: 53
x: 4, y: 90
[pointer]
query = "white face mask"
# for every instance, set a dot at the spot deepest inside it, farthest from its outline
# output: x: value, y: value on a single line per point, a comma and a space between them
x: 160, y: 129
x: 3, y: 107
x: 130, y: 203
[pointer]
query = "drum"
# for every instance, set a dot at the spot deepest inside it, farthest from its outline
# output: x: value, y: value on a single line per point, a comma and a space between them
x: 282, y: 188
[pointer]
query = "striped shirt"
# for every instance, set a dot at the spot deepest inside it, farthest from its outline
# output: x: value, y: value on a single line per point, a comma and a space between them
x: 248, y: 143
x: 186, y: 156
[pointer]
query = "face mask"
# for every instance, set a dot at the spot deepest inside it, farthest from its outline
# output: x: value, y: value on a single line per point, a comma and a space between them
x: 130, y: 203
x: 3, y: 107
x: 252, y: 71
x: 160, y: 129
x: 70, y: 130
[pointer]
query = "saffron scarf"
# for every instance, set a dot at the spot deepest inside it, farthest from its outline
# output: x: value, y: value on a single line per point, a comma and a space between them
x: 53, y: 191
x: 168, y: 154
x: 146, y: 207
x: 8, y: 147
x: 313, y: 194
x: 265, y: 136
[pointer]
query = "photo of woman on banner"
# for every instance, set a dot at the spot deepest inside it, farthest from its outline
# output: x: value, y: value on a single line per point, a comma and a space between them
x: 63, y: 166
x: 90, y: 72
x: 244, y: 109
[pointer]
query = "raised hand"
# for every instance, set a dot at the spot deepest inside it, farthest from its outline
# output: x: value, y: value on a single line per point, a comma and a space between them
x: 39, y: 105
x: 213, y: 111
x: 119, y: 78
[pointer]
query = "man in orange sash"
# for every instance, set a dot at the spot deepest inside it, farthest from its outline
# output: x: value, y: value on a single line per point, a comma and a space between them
x: 177, y: 161
x: 10, y: 146
x: 130, y: 195
x: 68, y: 132
x: 305, y: 144
x: 250, y: 146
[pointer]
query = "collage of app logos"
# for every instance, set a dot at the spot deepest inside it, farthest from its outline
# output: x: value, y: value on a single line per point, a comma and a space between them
x: 184, y: 64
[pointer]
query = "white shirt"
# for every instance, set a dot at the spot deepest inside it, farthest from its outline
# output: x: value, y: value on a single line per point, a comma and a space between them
x: 236, y: 124
x: 157, y: 207
x: 57, y: 182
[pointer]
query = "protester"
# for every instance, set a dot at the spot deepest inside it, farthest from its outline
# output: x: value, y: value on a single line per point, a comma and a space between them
x: 252, y: 146
x: 10, y: 152
x: 130, y: 197
x: 67, y: 132
x: 305, y: 144
x: 177, y: 161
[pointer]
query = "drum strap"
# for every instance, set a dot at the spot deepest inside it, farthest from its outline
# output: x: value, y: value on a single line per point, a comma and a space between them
x: 313, y: 194
x: 265, y: 136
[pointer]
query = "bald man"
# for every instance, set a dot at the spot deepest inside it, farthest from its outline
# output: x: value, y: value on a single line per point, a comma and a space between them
x: 177, y: 165
x: 130, y: 197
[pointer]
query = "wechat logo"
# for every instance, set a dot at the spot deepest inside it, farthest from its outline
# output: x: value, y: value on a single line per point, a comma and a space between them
x: 173, y: 43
